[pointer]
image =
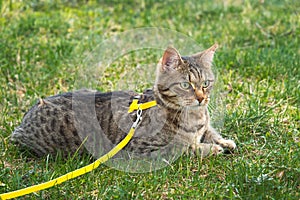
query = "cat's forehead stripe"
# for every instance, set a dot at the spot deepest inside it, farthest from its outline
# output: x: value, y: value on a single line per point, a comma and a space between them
x: 195, y: 73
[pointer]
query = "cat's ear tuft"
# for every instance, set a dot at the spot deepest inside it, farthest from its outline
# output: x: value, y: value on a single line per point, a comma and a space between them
x: 170, y: 59
x: 205, y: 58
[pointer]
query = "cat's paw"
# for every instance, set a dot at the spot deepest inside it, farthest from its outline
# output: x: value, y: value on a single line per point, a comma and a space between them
x: 216, y: 149
x: 204, y: 149
x: 230, y: 144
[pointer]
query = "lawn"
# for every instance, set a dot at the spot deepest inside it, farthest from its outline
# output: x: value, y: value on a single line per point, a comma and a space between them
x: 45, y: 44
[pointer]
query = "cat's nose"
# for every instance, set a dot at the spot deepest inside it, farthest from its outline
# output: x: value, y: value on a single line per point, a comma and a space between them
x: 199, y: 95
x: 200, y: 100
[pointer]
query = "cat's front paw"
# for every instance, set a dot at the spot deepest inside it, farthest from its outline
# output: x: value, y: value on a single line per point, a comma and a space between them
x: 204, y: 149
x: 229, y: 144
x: 216, y: 149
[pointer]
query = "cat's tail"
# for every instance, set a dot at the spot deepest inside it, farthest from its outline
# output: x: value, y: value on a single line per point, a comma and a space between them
x: 18, y: 135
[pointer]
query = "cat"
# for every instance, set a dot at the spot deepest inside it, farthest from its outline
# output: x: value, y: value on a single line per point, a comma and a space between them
x: 90, y: 120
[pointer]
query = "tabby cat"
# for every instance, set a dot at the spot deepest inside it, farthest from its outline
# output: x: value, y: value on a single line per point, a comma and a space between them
x: 94, y: 121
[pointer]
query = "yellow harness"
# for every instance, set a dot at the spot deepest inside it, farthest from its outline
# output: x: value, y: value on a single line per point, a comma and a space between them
x: 78, y: 172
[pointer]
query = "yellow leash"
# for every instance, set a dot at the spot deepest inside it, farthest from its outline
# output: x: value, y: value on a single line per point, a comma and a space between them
x: 78, y: 172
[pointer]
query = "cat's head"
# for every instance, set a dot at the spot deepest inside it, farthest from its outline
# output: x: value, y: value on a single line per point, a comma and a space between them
x: 184, y: 81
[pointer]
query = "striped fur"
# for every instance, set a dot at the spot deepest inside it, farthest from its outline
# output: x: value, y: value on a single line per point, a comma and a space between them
x: 93, y: 121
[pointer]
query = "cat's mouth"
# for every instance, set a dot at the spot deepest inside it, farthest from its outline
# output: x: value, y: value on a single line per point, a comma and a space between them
x: 195, y: 103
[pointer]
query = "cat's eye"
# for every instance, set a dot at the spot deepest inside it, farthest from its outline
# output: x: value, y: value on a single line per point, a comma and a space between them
x: 205, y: 84
x: 185, y: 85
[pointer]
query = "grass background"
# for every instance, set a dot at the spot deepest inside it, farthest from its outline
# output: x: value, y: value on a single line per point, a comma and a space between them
x: 42, y: 42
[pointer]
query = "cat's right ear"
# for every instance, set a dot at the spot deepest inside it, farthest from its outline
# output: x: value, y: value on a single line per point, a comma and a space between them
x: 171, y: 59
x: 205, y: 57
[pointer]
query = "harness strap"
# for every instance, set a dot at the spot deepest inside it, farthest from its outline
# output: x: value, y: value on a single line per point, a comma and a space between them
x: 142, y: 106
x: 78, y: 172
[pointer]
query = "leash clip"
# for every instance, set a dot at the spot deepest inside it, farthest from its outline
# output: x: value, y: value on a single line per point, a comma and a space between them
x: 138, y: 118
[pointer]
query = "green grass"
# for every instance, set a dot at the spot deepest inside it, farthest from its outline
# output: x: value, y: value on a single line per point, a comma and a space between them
x: 42, y: 44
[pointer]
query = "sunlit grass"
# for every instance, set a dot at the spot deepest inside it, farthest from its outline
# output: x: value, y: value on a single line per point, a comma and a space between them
x: 42, y: 45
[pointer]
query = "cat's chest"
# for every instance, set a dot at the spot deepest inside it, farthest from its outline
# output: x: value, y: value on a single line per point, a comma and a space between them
x: 195, y: 119
x: 193, y: 125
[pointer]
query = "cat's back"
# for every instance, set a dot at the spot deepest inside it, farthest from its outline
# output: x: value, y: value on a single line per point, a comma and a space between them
x: 45, y: 127
x: 49, y: 126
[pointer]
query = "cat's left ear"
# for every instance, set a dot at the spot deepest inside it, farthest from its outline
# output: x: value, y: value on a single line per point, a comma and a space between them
x: 205, y: 57
x: 171, y: 59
